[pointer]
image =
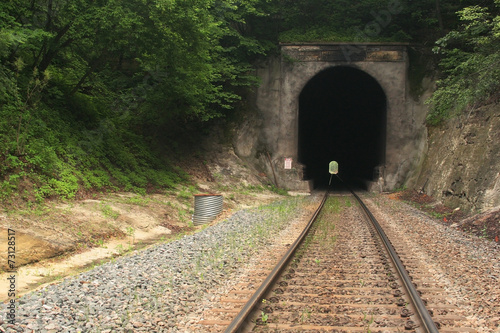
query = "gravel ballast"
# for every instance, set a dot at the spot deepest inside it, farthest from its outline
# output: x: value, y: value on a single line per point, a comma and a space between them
x: 156, y: 289
x: 467, y: 265
x: 167, y: 287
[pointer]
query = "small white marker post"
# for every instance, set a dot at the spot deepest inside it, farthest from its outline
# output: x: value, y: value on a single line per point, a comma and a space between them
x: 333, y: 168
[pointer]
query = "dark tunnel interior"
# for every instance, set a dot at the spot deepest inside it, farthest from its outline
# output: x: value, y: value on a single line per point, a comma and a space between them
x: 342, y: 117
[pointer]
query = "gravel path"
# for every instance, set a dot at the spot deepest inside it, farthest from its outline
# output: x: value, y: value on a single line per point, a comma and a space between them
x: 157, y: 289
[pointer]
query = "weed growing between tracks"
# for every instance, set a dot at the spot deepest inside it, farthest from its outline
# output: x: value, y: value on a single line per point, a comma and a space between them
x: 325, y: 232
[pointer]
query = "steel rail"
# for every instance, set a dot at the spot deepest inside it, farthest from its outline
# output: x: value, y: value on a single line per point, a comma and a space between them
x: 423, y: 313
x: 241, y: 317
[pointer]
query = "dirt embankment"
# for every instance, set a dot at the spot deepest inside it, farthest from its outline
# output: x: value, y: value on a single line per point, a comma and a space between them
x: 59, y: 238
x: 484, y: 225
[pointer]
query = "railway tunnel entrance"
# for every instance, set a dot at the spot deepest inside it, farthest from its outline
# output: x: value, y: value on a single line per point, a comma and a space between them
x: 342, y: 117
x: 319, y: 102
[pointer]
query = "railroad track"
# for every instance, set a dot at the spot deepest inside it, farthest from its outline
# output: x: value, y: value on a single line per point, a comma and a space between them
x: 341, y: 275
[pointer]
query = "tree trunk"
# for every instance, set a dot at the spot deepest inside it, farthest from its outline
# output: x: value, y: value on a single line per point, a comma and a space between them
x: 439, y: 17
x: 54, y: 49
x: 93, y: 65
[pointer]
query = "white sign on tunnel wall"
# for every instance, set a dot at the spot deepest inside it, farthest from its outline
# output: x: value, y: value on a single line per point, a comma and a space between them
x: 288, y: 163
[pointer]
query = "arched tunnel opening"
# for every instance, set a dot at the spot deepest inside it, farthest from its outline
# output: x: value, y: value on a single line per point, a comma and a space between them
x: 342, y: 117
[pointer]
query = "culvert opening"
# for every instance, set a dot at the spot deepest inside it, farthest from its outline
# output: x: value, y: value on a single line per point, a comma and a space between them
x: 342, y: 117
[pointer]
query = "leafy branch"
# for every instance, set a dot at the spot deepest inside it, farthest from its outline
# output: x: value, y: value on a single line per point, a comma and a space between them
x: 470, y: 64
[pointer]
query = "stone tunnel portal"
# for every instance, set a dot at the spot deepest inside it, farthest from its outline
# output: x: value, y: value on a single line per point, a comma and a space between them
x: 342, y: 117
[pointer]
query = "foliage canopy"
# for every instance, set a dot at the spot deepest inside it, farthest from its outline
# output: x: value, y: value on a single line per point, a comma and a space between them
x: 471, y: 63
x: 89, y: 89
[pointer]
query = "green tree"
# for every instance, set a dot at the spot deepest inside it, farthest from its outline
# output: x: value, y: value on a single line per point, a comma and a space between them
x: 470, y: 63
x: 87, y: 87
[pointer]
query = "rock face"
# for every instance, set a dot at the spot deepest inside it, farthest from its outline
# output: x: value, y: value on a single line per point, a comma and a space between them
x: 462, y: 166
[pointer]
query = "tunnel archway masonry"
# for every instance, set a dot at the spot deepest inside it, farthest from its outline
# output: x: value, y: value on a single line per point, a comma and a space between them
x: 272, y: 134
x: 342, y: 117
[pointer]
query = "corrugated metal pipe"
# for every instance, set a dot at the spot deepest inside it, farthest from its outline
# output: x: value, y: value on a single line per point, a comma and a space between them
x: 206, y: 208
